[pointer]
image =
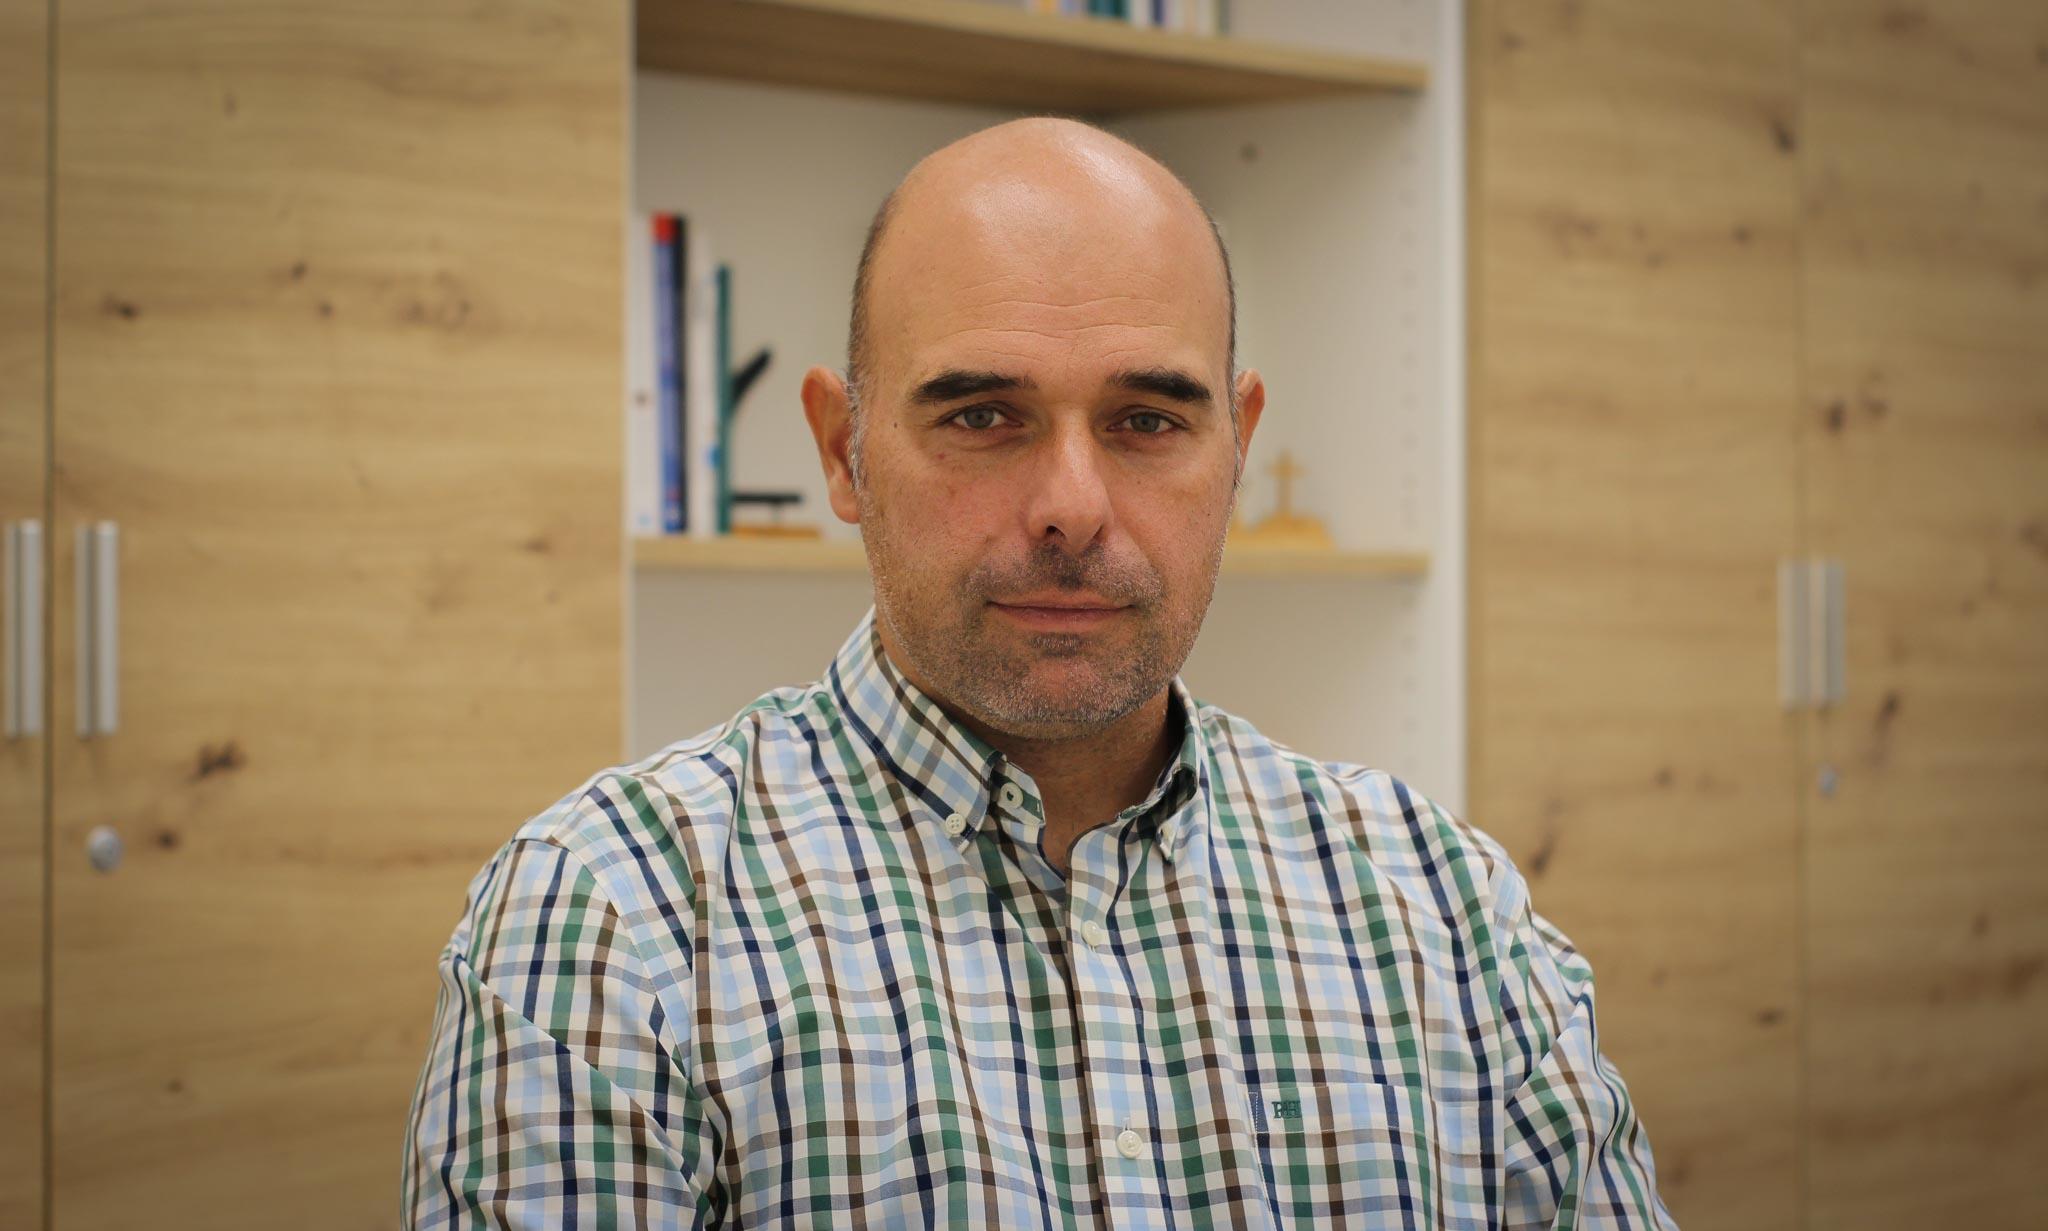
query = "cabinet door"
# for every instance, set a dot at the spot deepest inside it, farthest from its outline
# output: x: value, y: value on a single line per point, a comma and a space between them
x: 24, y: 491
x: 1926, y: 328
x: 1635, y: 214
x: 337, y: 333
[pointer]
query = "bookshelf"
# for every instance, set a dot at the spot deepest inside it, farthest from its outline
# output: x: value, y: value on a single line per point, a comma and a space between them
x: 1326, y: 136
x: 989, y: 55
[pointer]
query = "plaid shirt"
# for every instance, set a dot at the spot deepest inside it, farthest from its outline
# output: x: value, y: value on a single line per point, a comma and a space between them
x: 812, y: 968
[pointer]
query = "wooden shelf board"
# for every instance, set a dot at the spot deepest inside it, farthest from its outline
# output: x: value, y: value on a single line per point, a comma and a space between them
x: 681, y: 553
x: 954, y: 51
x: 678, y: 553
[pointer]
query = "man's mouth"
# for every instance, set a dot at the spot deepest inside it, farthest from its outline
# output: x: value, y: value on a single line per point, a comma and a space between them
x: 1060, y: 612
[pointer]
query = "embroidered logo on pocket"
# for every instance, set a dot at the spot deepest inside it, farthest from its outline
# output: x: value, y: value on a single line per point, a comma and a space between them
x: 1294, y: 1110
x: 1277, y: 1110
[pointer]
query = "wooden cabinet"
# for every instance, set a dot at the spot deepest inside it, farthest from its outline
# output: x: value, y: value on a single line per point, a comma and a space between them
x: 24, y: 515
x: 1634, y: 485
x: 333, y: 326
x: 1758, y: 281
x: 1924, y: 446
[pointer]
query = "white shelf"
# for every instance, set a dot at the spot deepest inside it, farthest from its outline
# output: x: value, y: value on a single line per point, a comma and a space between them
x: 988, y: 55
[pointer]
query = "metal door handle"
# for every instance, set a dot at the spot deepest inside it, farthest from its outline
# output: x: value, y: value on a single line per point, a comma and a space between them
x: 24, y: 633
x: 98, y: 570
x: 1811, y: 634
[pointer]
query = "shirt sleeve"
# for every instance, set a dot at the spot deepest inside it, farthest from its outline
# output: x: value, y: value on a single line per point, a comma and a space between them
x: 552, y: 1095
x: 1576, y: 1157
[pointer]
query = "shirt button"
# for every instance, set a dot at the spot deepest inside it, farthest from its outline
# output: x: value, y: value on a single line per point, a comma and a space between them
x: 956, y: 824
x: 1128, y: 1144
x: 1093, y: 934
x: 1010, y: 795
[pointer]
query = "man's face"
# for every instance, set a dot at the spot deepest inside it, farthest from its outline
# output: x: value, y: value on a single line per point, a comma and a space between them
x: 1049, y: 461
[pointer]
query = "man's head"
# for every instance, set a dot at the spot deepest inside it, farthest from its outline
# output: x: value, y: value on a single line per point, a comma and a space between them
x: 858, y: 362
x: 1043, y: 414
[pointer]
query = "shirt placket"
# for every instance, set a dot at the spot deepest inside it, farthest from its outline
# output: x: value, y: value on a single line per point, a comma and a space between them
x: 1122, y: 1104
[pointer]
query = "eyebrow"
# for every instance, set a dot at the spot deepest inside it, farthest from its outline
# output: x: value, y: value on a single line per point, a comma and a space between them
x: 1169, y: 383
x: 956, y: 383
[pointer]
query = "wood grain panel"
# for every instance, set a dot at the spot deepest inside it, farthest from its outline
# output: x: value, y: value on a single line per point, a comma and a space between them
x: 338, y: 329
x: 1926, y: 442
x: 24, y: 487
x: 1634, y: 219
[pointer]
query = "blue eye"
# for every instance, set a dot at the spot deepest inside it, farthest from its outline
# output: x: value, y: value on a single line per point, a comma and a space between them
x: 978, y: 418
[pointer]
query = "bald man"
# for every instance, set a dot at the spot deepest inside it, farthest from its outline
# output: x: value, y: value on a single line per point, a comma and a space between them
x: 995, y: 925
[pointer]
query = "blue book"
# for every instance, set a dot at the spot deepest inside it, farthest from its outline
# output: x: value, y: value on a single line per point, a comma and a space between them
x: 668, y: 369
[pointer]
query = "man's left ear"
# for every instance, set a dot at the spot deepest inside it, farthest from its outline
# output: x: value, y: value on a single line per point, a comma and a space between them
x: 831, y: 419
x: 1251, y: 403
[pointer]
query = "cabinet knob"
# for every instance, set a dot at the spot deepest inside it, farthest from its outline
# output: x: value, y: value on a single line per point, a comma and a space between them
x: 103, y: 848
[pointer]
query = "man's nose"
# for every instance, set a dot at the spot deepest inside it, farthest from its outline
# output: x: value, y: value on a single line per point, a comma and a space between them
x: 1068, y: 503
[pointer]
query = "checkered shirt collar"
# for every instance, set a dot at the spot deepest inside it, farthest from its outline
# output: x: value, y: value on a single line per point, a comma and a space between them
x: 952, y: 771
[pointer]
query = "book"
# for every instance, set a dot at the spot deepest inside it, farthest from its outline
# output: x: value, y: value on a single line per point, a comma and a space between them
x: 672, y: 379
x: 668, y: 368
x: 700, y: 395
x: 679, y: 276
x: 643, y: 380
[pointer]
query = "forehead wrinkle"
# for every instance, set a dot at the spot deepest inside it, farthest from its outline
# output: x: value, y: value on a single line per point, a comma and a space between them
x: 1067, y: 334
x: 1050, y: 244
x: 1130, y: 311
x: 1041, y: 290
x: 1013, y: 314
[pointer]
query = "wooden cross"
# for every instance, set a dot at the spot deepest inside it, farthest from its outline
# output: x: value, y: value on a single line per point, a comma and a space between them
x: 1286, y: 472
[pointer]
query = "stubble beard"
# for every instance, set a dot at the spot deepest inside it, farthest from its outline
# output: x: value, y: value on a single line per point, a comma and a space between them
x: 959, y: 647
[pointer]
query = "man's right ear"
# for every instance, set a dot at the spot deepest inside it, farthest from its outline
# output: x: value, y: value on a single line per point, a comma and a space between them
x: 831, y: 418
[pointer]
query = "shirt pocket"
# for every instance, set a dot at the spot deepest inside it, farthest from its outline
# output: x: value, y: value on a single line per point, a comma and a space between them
x: 1349, y: 1154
